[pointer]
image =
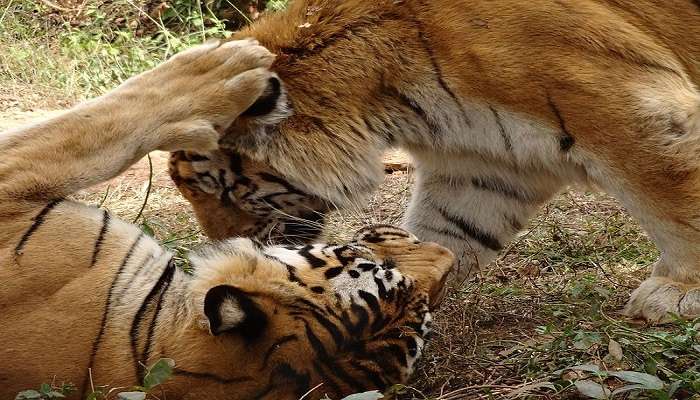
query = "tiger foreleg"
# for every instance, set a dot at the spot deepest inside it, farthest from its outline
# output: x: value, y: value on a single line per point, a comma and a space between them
x: 475, y: 209
x: 182, y: 104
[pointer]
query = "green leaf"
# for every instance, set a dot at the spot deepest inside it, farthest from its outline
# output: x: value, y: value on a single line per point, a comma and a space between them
x: 583, y: 367
x: 131, y: 396
x: 28, y: 394
x: 147, y: 229
x: 673, y: 388
x: 627, y: 389
x: 45, y: 388
x: 56, y: 395
x: 158, y: 373
x: 648, y: 381
x: 586, y: 340
x: 373, y: 395
x: 592, y: 389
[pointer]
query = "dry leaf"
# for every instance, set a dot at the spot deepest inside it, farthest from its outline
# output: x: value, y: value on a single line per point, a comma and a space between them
x: 615, y: 350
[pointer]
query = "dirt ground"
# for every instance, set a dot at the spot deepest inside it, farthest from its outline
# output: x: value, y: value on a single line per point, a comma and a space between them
x: 552, y: 299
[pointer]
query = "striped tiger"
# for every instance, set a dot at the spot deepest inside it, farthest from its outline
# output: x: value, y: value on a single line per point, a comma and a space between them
x: 89, y: 299
x: 501, y: 104
x: 232, y: 195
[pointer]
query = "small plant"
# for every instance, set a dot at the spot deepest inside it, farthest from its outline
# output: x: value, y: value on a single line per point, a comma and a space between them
x: 47, y: 391
x: 158, y: 373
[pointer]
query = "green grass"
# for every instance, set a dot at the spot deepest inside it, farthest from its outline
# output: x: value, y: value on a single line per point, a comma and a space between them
x: 81, y: 54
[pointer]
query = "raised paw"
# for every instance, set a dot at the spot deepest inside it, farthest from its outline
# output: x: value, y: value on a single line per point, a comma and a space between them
x: 657, y: 299
x: 187, y: 102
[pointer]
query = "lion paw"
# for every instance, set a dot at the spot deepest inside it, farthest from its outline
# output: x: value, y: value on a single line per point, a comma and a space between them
x: 657, y: 298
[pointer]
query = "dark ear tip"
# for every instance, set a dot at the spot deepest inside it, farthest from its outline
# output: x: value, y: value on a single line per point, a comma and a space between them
x: 267, y: 102
x: 274, y: 83
x: 249, y: 320
x: 212, y: 301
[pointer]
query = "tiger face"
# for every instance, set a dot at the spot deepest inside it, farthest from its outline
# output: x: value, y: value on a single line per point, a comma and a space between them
x: 234, y: 196
x: 341, y: 319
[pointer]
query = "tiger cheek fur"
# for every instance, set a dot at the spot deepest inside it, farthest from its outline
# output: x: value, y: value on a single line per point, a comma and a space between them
x: 233, y: 195
x: 501, y: 105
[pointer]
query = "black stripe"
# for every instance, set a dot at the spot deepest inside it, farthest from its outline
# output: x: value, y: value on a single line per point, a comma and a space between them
x: 397, y: 352
x: 326, y: 379
x: 336, y: 334
x: 211, y: 377
x: 370, y: 374
x: 442, y: 231
x: 38, y: 220
x: 280, y: 181
x: 502, y: 129
x: 100, y: 237
x: 276, y: 345
x: 413, y: 105
x: 163, y: 282
x: 566, y: 141
x: 105, y: 313
x: 469, y: 229
x: 517, y: 225
x: 356, y: 329
x: 159, y: 307
x: 371, y: 301
x: 328, y: 361
x: 292, y: 276
x: 389, y: 370
x: 382, y: 130
x: 438, y: 71
x: 499, y: 186
x: 314, y: 261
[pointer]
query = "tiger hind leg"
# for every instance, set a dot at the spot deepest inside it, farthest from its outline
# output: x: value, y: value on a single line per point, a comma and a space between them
x: 658, y: 181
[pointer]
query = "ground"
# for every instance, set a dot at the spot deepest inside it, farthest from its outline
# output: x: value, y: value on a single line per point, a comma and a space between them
x: 551, y: 301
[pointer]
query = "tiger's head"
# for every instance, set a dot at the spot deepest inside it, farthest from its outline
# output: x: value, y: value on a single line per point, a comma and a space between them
x: 352, y: 76
x: 276, y: 322
x: 233, y: 195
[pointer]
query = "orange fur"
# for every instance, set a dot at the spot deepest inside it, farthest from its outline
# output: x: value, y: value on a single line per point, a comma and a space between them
x: 501, y: 97
x: 89, y: 299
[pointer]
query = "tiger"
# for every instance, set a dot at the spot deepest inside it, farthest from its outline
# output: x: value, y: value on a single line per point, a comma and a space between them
x: 90, y: 299
x: 500, y: 105
x: 233, y: 195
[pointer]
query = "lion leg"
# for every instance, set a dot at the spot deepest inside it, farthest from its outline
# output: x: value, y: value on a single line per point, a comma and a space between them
x: 476, y: 207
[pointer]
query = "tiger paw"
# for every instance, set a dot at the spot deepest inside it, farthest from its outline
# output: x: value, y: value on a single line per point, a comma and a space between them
x: 657, y: 299
x: 187, y: 102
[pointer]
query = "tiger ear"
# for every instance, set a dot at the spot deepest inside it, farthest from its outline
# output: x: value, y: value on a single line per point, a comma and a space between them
x: 272, y: 101
x: 230, y: 309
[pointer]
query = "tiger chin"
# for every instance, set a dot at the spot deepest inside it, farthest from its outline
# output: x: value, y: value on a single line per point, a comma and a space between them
x: 501, y: 105
x: 89, y: 299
